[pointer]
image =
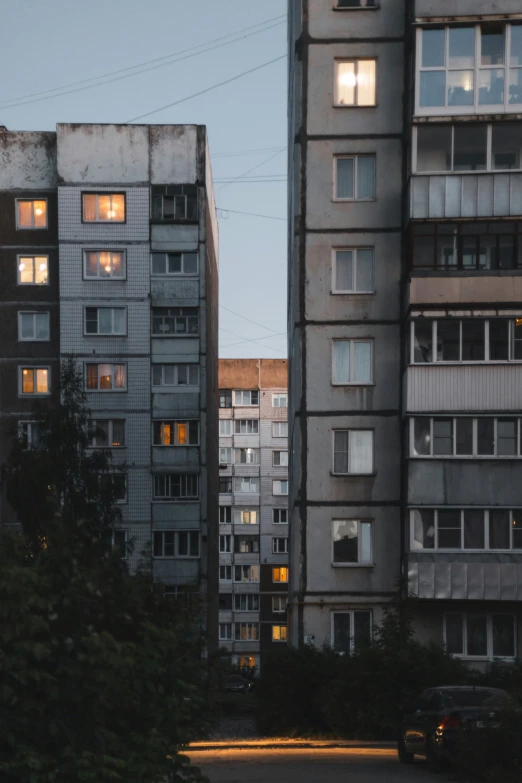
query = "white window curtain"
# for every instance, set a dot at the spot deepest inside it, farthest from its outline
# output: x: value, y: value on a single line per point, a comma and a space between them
x: 366, y: 177
x: 361, y: 451
x: 362, y: 370
x: 341, y: 361
x: 344, y: 270
x: 345, y: 172
x: 364, y: 270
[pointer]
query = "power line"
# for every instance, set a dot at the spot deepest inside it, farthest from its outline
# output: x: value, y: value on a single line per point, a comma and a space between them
x: 245, y: 173
x: 138, y: 69
x: 252, y: 214
x: 248, y: 340
x: 208, y: 89
x: 240, y: 341
x: 246, y: 152
x: 251, y: 321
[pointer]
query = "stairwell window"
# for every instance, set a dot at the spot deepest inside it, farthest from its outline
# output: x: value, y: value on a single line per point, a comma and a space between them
x: 354, y: 178
x: 280, y: 516
x: 31, y: 213
x: 352, y: 362
x: 225, y: 515
x: 355, y: 82
x: 280, y: 429
x: 353, y: 271
x: 103, y: 207
x: 279, y: 546
x: 352, y: 452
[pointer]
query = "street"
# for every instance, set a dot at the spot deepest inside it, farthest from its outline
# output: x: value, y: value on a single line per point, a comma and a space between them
x: 313, y: 765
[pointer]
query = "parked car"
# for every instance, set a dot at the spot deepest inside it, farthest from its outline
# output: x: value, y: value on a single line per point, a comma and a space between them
x: 431, y: 726
x: 235, y: 683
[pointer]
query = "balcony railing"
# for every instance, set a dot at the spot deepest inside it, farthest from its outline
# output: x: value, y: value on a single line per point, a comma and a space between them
x: 435, y: 196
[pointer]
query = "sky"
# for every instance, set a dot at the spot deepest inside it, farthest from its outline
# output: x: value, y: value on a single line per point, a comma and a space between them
x: 69, y: 41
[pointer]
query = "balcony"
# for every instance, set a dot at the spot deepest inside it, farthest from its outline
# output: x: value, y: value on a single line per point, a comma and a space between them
x: 474, y: 577
x: 443, y: 196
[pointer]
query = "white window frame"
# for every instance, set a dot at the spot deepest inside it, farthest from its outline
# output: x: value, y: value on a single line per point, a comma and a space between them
x: 111, y: 276
x: 225, y: 632
x: 176, y: 383
x: 352, y: 624
x: 239, y: 516
x: 33, y: 258
x: 281, y: 569
x: 176, y: 554
x: 246, y: 427
x: 253, y: 571
x: 460, y: 361
x: 250, y: 404
x: 27, y: 431
x: 276, y: 400
x: 349, y: 455
x: 225, y: 455
x: 513, y: 512
x: 34, y: 339
x: 448, y: 172
x: 279, y: 512
x: 32, y: 227
x: 354, y: 289
x: 112, y: 365
x: 280, y: 464
x: 95, y: 422
x: 280, y: 633
x: 177, y: 253
x: 476, y: 107
x: 194, y: 313
x: 250, y: 479
x: 104, y: 193
x: 226, y: 543
x: 223, y: 516
x: 355, y: 105
x: 360, y: 562
x: 34, y: 369
x: 276, y: 425
x: 185, y: 497
x: 489, y: 626
x: 474, y: 454
x: 275, y: 482
x: 225, y: 569
x: 251, y: 602
x: 276, y: 543
x: 104, y: 334
x: 354, y: 157
x: 225, y: 424
x: 277, y: 603
x: 353, y: 341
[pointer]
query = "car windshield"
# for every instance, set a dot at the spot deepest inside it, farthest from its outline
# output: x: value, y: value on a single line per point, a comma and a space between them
x: 476, y: 698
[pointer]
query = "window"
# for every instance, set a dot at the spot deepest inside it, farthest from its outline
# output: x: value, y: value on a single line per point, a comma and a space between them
x: 246, y: 545
x: 246, y: 602
x: 104, y: 265
x: 278, y: 603
x: 107, y: 433
x: 174, y: 263
x: 246, y: 456
x: 245, y: 516
x: 246, y: 573
x: 176, y: 433
x: 471, y: 148
x: 29, y: 434
x: 467, y: 246
x: 464, y: 436
x: 176, y: 543
x: 225, y: 573
x: 225, y: 427
x: 481, y: 635
x: 225, y: 632
x: 352, y: 542
x: 280, y: 574
x: 180, y: 486
x: 35, y: 380
x: 168, y: 321
x: 103, y: 207
x: 280, y: 546
x: 246, y: 661
x: 33, y: 270
x: 351, y: 362
x: 105, y: 320
x: 225, y: 398
x: 280, y: 459
x: 352, y: 271
x: 246, y: 398
x: 357, y: 4
x: 246, y: 484
x: 463, y: 529
x: 119, y: 542
x: 33, y: 326
x: 31, y: 213
x: 353, y: 452
x: 225, y: 543
x: 174, y: 202
x: 350, y: 629
x: 469, y: 69
x: 225, y: 602
x: 225, y: 456
x: 106, y: 377
x: 225, y: 515
x: 279, y: 401
x: 354, y: 177
x: 280, y: 487
x: 279, y: 633
x: 175, y: 375
x: 246, y: 427
x: 355, y: 82
x: 115, y: 483
x: 280, y: 429
x: 246, y: 632
x: 280, y: 516
x: 470, y: 340
x: 225, y: 485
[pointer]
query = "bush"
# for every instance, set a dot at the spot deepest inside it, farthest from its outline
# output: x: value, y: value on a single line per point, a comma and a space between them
x: 492, y: 754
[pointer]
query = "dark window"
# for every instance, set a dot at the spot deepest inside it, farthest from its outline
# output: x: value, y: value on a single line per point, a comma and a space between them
x: 507, y: 437
x: 225, y: 484
x: 468, y: 246
x: 464, y: 439
x: 499, y: 529
x: 421, y: 436
x: 448, y: 340
x: 485, y: 436
x: 473, y: 345
x: 424, y: 528
x: 499, y: 339
x: 449, y: 529
x: 443, y: 436
x: 422, y: 350
x: 454, y: 634
x: 225, y: 398
x: 225, y: 602
x: 174, y: 202
x: 470, y: 148
x: 473, y: 529
x: 477, y: 634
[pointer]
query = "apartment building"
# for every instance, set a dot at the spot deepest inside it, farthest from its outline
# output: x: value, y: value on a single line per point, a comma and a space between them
x: 109, y: 248
x: 405, y: 256
x: 253, y: 509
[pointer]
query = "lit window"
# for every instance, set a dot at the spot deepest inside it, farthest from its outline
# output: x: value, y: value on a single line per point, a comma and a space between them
x: 352, y: 542
x: 280, y: 487
x: 279, y: 633
x: 246, y: 632
x: 280, y: 546
x: 278, y: 603
x: 174, y: 263
x: 352, y: 271
x: 106, y: 377
x: 107, y: 433
x: 280, y: 429
x: 353, y: 452
x: 480, y: 635
x: 34, y: 380
x: 354, y: 177
x: 279, y: 401
x: 355, y: 82
x: 105, y: 320
x: 33, y: 326
x: 176, y: 486
x: 245, y: 516
x: 170, y: 321
x: 29, y: 434
x: 351, y: 362
x: 280, y: 516
x: 103, y: 207
x: 246, y: 456
x: 280, y: 458
x: 31, y: 213
x: 280, y: 574
x: 176, y: 433
x: 33, y: 270
x: 350, y: 629
x: 246, y: 661
x: 174, y: 202
x: 170, y: 543
x: 175, y: 375
x: 225, y: 515
x: 104, y: 264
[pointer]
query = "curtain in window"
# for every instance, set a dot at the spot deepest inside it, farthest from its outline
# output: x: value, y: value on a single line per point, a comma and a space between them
x: 343, y: 270
x: 89, y: 207
x: 92, y: 376
x: 345, y: 178
x: 341, y: 361
x: 364, y: 271
x: 362, y: 355
x: 345, y: 84
x: 119, y: 376
x: 366, y: 83
x: 25, y: 214
x: 366, y: 177
x: 361, y: 451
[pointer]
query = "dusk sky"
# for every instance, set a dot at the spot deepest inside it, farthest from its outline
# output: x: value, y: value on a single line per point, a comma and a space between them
x: 66, y: 42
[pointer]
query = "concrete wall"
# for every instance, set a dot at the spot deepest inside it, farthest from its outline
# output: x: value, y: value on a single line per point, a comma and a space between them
x: 474, y: 8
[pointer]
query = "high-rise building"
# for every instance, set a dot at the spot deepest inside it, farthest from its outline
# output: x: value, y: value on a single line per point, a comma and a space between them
x: 253, y: 508
x: 405, y: 319
x: 109, y: 253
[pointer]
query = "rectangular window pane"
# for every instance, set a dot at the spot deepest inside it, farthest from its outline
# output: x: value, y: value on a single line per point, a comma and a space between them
x: 473, y: 344
x: 341, y: 451
x: 341, y: 361
x: 443, y: 436
x: 506, y: 143
x: 343, y: 270
x: 362, y: 355
x: 364, y: 271
x: 345, y: 177
x: 433, y: 48
x: 454, y: 634
x: 365, y: 532
x: 464, y: 440
x: 345, y: 541
x: 517, y: 335
x: 473, y: 529
x: 460, y: 88
x: 366, y: 177
x: 25, y: 214
x: 423, y: 522
x: 492, y: 45
x: 477, y: 635
x: 461, y: 50
x: 345, y: 84
x: 507, y: 437
x: 491, y: 87
x: 361, y: 628
x: 434, y: 148
x: 342, y: 631
x: 470, y: 148
x: 485, y: 436
x: 158, y: 263
x: 422, y: 349
x: 421, y: 437
x: 449, y: 527
x: 361, y: 451
x: 499, y: 529
x: 432, y: 88
x: 503, y: 627
x: 448, y: 340
x: 366, y: 83
x: 499, y: 339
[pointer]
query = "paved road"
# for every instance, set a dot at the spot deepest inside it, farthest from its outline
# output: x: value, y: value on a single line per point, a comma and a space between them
x: 332, y: 765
